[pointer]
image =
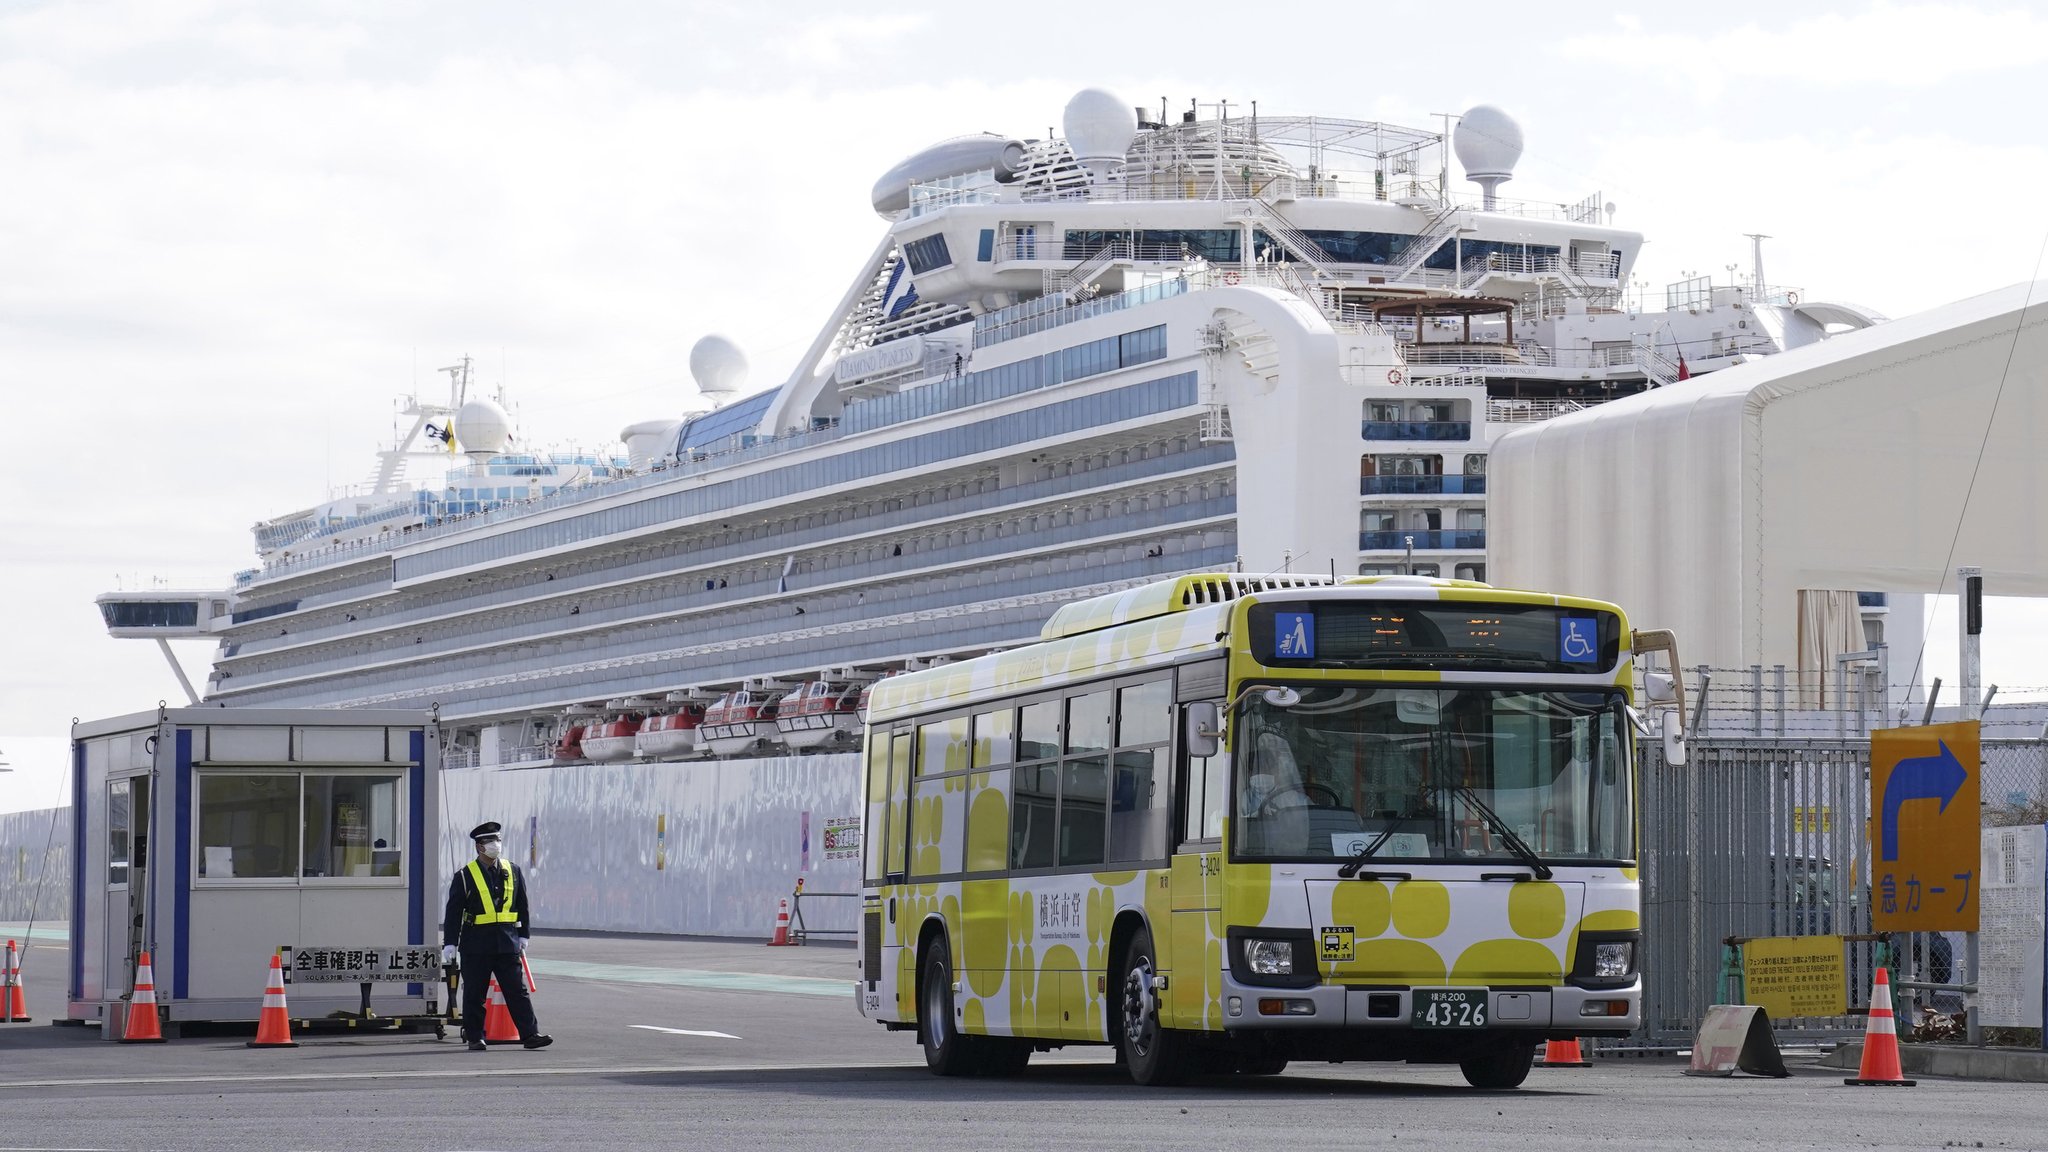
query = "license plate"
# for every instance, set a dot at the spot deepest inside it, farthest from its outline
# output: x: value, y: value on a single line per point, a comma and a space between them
x: 1449, y: 1008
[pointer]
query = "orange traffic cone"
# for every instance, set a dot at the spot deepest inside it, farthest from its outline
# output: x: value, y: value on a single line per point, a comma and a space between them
x: 273, y: 1025
x: 1881, y: 1041
x: 13, y: 1004
x: 142, y: 1027
x: 1564, y: 1054
x: 781, y: 937
x: 498, y: 1026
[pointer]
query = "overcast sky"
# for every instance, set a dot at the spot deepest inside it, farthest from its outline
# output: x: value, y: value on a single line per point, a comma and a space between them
x: 232, y: 234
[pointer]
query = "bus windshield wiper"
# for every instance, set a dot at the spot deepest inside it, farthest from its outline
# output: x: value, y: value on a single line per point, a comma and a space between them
x: 1516, y: 844
x: 1350, y: 867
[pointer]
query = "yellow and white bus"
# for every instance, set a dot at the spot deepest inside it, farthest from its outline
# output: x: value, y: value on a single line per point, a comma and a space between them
x: 1223, y: 822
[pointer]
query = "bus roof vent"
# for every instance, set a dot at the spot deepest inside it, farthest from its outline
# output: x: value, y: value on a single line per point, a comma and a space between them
x: 1165, y: 596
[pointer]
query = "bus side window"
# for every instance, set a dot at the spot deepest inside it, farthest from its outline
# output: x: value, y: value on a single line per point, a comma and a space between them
x: 899, y: 807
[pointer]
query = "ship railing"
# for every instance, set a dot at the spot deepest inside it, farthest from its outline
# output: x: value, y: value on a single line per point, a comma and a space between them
x: 1048, y: 312
x: 1206, y: 185
x: 1200, y: 540
x: 1144, y: 474
x: 1474, y: 353
x: 1508, y: 411
x: 1451, y: 379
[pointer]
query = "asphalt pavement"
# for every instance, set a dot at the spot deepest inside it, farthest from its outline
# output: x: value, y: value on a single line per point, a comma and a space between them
x: 665, y: 1043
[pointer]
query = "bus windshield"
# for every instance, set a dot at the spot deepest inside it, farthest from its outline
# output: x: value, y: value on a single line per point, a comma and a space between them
x: 1426, y: 772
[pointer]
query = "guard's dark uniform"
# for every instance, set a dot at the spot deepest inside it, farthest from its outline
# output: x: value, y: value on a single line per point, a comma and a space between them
x: 486, y: 927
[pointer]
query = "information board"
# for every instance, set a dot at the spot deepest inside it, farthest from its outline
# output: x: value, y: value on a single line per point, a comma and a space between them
x: 842, y: 838
x: 357, y: 964
x: 1795, y: 976
x: 1924, y: 828
x: 2009, y: 957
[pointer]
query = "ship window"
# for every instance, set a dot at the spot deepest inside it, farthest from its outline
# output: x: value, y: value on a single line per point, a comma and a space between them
x: 927, y: 253
x: 1148, y: 398
x: 985, y: 250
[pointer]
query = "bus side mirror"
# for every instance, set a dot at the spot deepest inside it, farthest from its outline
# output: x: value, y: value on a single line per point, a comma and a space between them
x: 1674, y: 738
x: 1203, y: 729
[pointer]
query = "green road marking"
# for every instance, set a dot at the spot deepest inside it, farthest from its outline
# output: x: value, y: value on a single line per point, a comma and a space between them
x: 693, y: 978
x: 19, y: 931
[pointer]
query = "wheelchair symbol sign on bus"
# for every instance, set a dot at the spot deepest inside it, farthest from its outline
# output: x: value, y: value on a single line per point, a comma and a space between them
x: 1578, y: 639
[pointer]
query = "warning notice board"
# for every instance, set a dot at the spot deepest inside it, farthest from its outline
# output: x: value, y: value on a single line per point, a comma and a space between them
x: 1795, y: 976
x: 412, y: 964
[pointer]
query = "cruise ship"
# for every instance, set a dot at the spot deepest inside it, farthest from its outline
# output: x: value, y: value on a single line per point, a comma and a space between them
x: 1169, y: 340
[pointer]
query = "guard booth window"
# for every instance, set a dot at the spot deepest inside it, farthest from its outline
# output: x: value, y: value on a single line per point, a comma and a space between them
x: 117, y: 832
x: 300, y: 826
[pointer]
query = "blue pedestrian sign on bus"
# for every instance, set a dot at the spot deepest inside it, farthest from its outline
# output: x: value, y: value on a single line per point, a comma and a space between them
x: 1578, y: 639
x: 1294, y: 635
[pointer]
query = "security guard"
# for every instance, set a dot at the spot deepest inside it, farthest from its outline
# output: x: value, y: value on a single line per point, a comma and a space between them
x: 487, y: 914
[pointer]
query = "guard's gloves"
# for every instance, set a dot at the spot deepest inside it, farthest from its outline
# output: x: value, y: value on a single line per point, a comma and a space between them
x: 522, y: 944
x: 447, y: 954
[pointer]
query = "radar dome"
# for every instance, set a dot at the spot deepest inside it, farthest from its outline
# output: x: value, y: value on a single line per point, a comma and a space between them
x: 718, y: 365
x: 1099, y: 127
x: 482, y: 429
x: 1488, y: 142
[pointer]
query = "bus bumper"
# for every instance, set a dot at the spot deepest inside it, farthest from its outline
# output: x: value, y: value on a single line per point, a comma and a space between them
x: 1541, y: 1011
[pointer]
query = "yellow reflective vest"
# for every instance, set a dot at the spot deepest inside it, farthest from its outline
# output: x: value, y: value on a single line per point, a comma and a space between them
x: 491, y: 913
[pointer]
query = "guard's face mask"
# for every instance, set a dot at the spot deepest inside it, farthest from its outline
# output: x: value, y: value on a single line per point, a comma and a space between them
x: 491, y: 849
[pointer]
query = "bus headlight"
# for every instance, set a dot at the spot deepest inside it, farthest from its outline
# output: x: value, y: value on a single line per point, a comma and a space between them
x: 1272, y: 957
x: 1269, y: 957
x: 1613, y: 959
x: 1605, y: 959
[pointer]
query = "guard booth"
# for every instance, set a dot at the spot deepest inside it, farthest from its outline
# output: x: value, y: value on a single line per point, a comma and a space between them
x: 214, y: 839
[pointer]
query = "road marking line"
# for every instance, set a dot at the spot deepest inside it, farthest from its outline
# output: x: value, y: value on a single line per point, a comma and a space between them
x: 684, y: 1031
x: 695, y: 978
x: 466, y: 1073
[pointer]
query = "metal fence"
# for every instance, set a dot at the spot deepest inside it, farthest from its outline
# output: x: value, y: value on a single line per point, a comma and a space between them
x: 1748, y: 838
x: 1763, y: 832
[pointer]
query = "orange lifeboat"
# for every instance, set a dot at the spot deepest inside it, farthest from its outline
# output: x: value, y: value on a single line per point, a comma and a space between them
x: 738, y: 722
x: 668, y: 734
x: 820, y: 714
x: 569, y: 749
x: 612, y: 740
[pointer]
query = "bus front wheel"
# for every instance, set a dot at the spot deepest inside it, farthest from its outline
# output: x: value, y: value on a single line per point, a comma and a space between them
x: 1501, y: 1065
x: 1155, y: 1054
x: 945, y: 1049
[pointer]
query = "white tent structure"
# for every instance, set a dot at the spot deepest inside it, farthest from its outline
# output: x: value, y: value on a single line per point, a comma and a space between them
x: 1743, y: 508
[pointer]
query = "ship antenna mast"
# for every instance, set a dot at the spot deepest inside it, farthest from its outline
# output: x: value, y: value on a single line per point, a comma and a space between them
x: 1756, y: 257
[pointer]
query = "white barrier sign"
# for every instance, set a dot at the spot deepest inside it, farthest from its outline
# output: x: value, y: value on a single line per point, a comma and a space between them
x: 2009, y: 957
x: 317, y: 964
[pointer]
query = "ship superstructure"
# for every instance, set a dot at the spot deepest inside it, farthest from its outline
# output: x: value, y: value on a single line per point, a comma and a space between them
x: 1166, y: 341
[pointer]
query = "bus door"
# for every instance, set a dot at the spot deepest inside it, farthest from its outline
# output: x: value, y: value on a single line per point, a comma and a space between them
x: 901, y: 933
x: 1194, y: 955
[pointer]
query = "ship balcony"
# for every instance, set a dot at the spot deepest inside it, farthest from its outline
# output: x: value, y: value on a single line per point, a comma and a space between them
x: 1417, y: 429
x: 1422, y: 486
x: 1423, y: 540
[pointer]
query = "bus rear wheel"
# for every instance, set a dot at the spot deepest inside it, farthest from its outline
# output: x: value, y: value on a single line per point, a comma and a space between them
x: 1501, y: 1065
x: 1156, y: 1055
x: 946, y: 1051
